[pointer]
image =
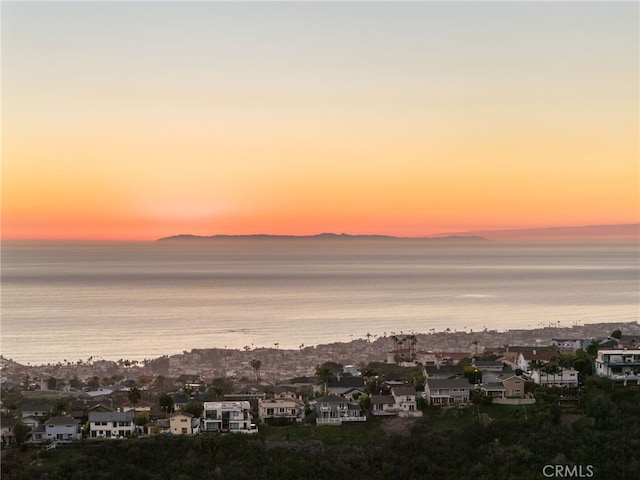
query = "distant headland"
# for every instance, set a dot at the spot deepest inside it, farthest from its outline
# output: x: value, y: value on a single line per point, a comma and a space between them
x: 621, y: 232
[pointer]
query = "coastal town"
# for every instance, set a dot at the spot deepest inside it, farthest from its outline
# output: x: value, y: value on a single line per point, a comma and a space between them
x: 394, y: 375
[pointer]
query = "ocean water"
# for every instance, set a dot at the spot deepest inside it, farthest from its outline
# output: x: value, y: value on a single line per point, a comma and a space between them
x: 136, y: 301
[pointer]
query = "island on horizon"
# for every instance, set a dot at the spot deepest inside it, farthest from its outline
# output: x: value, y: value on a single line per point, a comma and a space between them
x: 622, y: 232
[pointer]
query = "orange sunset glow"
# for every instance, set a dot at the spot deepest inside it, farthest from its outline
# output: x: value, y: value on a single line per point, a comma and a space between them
x: 408, y: 120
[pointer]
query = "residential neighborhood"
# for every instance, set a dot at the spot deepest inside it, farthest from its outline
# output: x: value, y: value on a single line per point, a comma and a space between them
x: 401, y: 383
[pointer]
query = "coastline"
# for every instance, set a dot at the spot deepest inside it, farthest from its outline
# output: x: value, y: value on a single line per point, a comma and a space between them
x: 280, y: 364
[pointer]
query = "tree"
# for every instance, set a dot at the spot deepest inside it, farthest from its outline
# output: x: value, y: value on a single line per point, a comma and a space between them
x: 194, y: 408
x: 365, y: 402
x: 413, y: 341
x: 166, y: 402
x: 75, y: 383
x: 472, y: 374
x: 20, y: 432
x: 51, y: 383
x: 592, y: 350
x: 616, y: 334
x: 134, y: 395
x: 328, y: 371
x: 417, y: 380
x: 465, y: 362
x: 214, y: 393
x: 94, y: 383
x: 142, y: 419
x: 59, y: 407
x: 256, y: 364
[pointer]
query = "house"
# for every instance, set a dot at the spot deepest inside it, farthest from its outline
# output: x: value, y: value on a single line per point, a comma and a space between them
x: 111, y: 424
x: 488, y: 365
x: 350, y: 387
x: 79, y: 409
x: 509, y: 353
x: 334, y: 410
x: 190, y: 381
x: 351, y: 370
x: 252, y: 398
x: 228, y: 417
x: 7, y: 425
x: 61, y: 428
x: 37, y: 435
x: 163, y: 426
x: 183, y: 424
x: 139, y: 406
x: 536, y: 355
x: 488, y: 377
x: 32, y: 422
x: 287, y: 408
x: 179, y: 400
x: 571, y: 344
x: 284, y: 391
x: 450, y: 358
x: 618, y: 364
x: 383, y: 405
x: 443, y: 371
x: 513, y: 386
x: 100, y: 394
x: 493, y: 389
x: 426, y: 358
x: 406, y: 402
x: 36, y: 410
x: 629, y: 341
x: 564, y: 377
x: 446, y: 391
x: 400, y: 355
x: 603, y: 343
x: 502, y: 385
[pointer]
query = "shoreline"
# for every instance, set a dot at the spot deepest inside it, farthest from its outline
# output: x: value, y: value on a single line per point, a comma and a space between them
x: 279, y: 364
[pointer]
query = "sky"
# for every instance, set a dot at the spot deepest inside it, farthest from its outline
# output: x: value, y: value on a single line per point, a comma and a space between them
x: 134, y: 121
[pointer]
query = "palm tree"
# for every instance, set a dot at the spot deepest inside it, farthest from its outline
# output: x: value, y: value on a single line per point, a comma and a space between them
x: 413, y: 340
x: 134, y: 396
x: 256, y: 364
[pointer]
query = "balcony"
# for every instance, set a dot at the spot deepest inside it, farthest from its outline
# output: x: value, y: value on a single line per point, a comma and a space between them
x: 328, y: 421
x: 354, y: 419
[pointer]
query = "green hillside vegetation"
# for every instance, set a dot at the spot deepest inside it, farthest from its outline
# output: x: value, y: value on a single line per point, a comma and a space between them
x: 477, y: 442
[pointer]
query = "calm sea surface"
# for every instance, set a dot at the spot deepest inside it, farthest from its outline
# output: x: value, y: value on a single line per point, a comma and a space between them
x: 141, y: 301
